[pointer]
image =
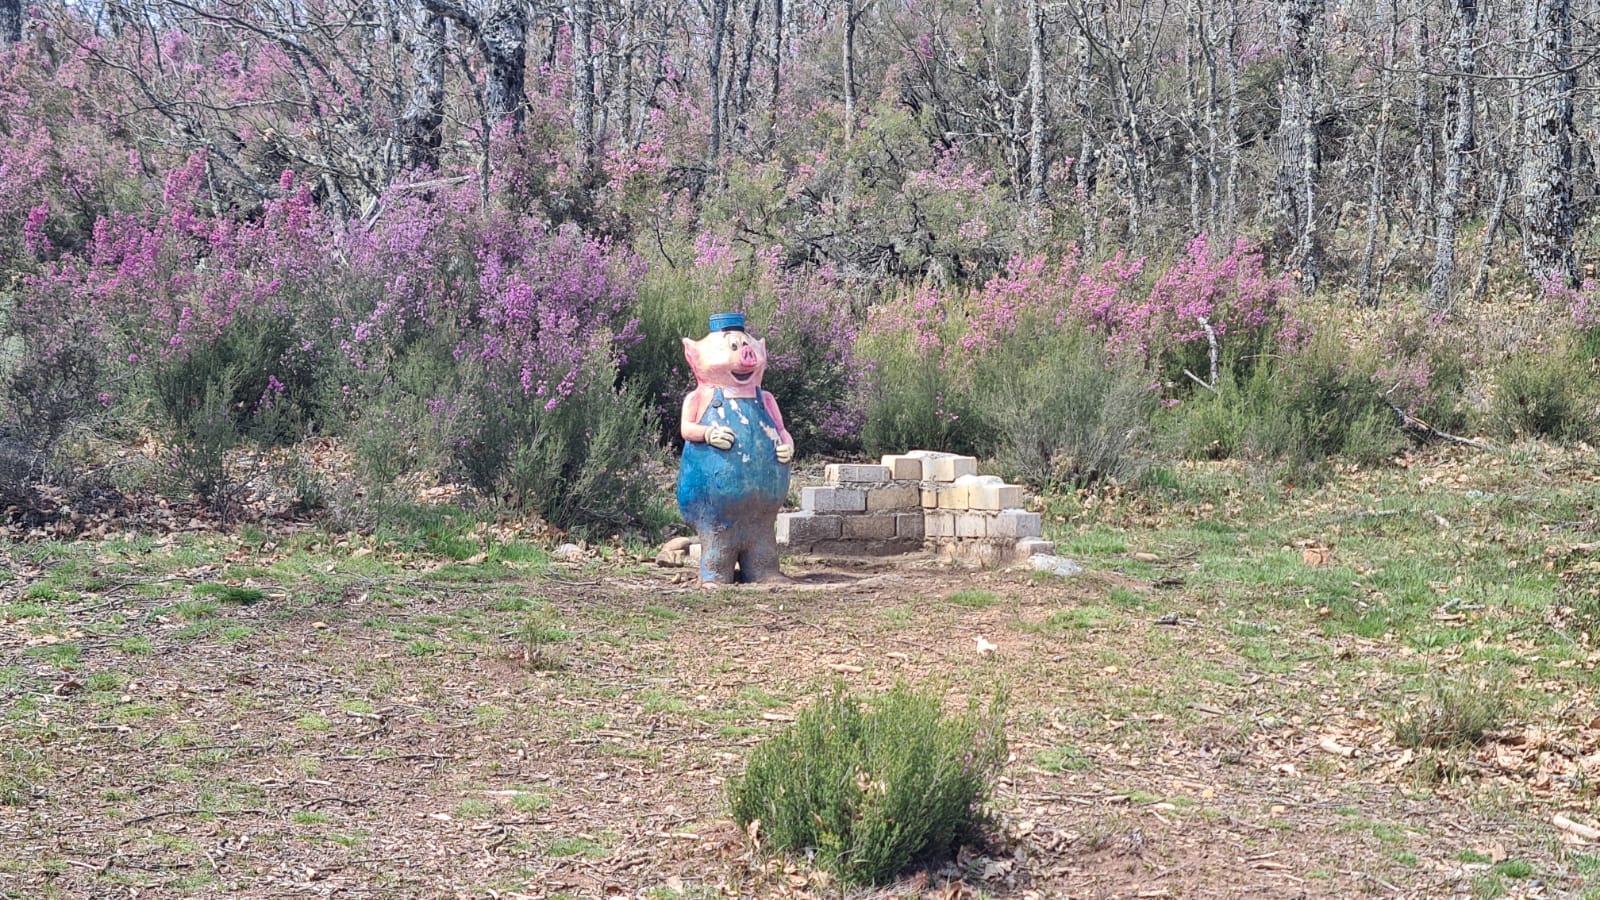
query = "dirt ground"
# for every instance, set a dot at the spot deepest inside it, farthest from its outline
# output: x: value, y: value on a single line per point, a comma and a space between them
x: 421, y: 739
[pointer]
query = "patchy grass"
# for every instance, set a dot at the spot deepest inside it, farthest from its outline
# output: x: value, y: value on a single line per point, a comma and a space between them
x: 1415, y: 695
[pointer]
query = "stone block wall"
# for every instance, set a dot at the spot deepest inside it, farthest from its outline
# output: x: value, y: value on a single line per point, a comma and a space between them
x: 914, y: 501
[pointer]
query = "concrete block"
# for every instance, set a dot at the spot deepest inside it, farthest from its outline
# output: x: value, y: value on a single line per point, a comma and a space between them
x: 1029, y: 547
x: 842, y: 473
x: 893, y: 496
x: 807, y: 527
x: 972, y: 525
x: 868, y: 528
x: 903, y: 468
x: 953, y: 497
x: 864, y: 548
x: 982, y: 554
x: 995, y: 496
x: 1016, y: 523
x: 939, y: 524
x: 975, y: 480
x: 930, y: 498
x: 833, y: 500
x: 909, y: 526
x: 948, y: 468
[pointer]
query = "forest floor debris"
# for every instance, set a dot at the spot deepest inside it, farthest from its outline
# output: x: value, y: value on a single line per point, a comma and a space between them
x: 442, y: 709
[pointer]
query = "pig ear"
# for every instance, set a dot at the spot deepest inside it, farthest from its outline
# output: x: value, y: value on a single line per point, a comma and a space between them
x: 761, y: 346
x: 691, y: 353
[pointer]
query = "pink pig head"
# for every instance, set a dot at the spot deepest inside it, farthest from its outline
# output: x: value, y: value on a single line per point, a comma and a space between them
x: 727, y: 359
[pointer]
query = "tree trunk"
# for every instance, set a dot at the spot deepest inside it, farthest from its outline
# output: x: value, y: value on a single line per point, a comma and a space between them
x: 1230, y: 191
x: 741, y: 93
x: 1370, y: 289
x: 849, y: 71
x: 10, y: 23
x: 1549, y: 213
x: 1425, y: 154
x: 504, y: 36
x: 1491, y: 233
x: 1299, y: 156
x: 422, y: 125
x: 1036, y: 111
x: 582, y: 12
x: 1208, y: 53
x: 777, y: 72
x: 719, y: 24
x: 1463, y: 142
x: 1191, y: 71
x: 1085, y: 165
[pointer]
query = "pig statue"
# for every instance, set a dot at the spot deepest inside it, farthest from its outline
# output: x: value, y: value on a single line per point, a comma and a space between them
x: 736, y: 452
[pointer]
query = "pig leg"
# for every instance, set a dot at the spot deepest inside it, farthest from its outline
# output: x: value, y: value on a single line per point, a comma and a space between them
x: 759, y: 559
x: 717, y: 558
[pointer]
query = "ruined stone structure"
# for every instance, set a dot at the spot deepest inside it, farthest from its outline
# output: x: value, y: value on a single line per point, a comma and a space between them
x: 915, y: 501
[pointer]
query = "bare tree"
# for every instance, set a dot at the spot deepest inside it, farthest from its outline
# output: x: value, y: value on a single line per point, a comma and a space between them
x: 422, y: 124
x: 776, y: 76
x: 1369, y: 288
x: 719, y: 24
x: 849, y: 52
x: 1549, y: 211
x: 1299, y: 150
x: 10, y: 23
x: 502, y: 33
x: 1036, y: 111
x: 1463, y: 141
x: 583, y: 63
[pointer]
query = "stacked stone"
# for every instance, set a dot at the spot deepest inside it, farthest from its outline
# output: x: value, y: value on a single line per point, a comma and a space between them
x: 976, y: 517
x: 910, y: 501
x: 861, y: 510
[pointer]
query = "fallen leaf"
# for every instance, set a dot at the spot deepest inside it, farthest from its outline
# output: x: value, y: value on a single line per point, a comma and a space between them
x: 984, y: 647
x: 1331, y: 745
x: 1317, y: 557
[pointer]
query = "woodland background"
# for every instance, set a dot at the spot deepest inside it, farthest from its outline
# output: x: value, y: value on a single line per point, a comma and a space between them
x: 1083, y: 239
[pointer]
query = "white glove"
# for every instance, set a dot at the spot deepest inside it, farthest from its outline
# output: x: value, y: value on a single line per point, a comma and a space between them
x: 719, y: 436
x: 785, y: 452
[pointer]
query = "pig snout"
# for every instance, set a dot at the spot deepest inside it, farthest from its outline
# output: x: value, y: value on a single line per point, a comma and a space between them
x: 747, y: 357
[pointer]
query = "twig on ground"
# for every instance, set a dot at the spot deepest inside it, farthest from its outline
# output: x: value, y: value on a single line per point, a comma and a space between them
x: 1412, y: 423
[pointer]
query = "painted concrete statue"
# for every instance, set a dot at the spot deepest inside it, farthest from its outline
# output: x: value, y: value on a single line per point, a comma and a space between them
x: 736, y: 453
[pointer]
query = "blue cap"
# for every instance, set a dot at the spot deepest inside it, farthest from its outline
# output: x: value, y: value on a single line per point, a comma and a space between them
x: 727, y: 322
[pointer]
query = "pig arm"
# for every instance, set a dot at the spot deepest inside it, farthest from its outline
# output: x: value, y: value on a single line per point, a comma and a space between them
x: 694, y: 406
x: 771, y: 403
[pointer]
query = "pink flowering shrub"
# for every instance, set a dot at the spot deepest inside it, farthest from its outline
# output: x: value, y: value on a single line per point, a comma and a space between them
x: 262, y: 327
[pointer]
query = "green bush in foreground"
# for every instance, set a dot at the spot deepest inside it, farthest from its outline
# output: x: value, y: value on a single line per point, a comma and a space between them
x: 872, y: 785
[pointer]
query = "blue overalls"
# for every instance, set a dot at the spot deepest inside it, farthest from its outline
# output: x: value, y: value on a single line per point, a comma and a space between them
x: 732, y: 497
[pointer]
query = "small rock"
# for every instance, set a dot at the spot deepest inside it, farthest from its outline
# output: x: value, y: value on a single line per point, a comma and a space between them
x: 568, y: 553
x: 1055, y: 565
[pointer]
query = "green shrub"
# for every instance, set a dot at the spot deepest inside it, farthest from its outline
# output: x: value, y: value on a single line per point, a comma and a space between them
x: 253, y: 384
x: 1547, y: 394
x: 1310, y: 405
x: 919, y: 394
x: 871, y: 786
x: 1065, y: 414
x: 582, y: 462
